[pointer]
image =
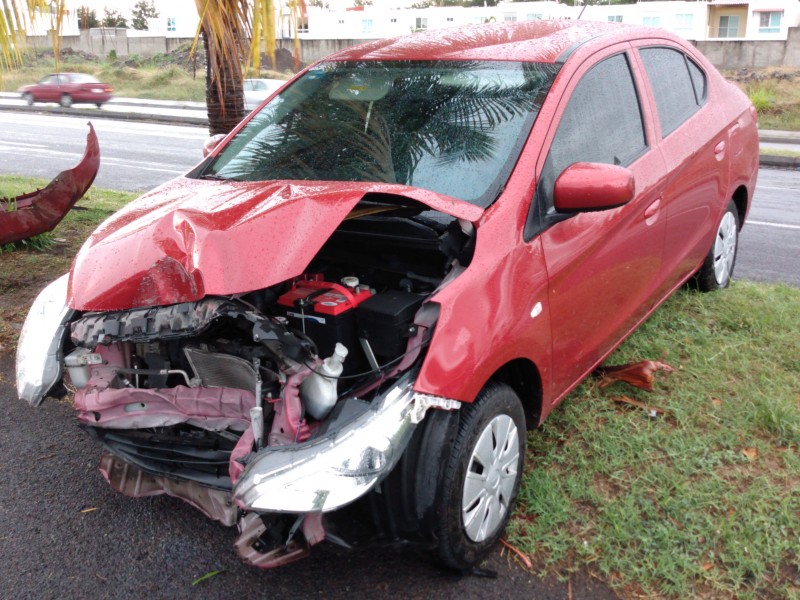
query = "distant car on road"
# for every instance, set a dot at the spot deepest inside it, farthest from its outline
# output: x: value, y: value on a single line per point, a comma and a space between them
x: 258, y: 90
x: 68, y: 89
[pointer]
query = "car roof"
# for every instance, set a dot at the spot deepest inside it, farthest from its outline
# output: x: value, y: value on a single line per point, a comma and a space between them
x: 537, y: 41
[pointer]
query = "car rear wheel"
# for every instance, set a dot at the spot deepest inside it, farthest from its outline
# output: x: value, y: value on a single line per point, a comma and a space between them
x: 66, y: 101
x: 481, y: 478
x: 28, y: 98
x: 717, y: 269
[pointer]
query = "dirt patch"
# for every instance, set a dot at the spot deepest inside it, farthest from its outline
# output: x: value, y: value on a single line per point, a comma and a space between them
x: 754, y: 75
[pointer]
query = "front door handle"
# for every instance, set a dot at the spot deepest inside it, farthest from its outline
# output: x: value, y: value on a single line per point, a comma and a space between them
x: 651, y: 212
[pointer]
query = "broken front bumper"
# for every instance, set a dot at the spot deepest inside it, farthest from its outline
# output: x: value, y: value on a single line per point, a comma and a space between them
x: 327, y: 473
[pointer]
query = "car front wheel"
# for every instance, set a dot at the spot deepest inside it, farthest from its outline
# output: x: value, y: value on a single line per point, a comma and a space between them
x: 66, y: 101
x: 717, y: 269
x: 481, y: 477
x: 28, y: 98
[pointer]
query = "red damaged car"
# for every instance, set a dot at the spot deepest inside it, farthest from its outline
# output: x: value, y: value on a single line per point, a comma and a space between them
x: 354, y: 308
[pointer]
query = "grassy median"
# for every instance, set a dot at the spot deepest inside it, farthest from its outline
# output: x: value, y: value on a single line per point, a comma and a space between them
x: 691, y: 490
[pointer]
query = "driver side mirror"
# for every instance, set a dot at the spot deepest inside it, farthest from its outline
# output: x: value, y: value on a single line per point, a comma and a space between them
x: 584, y: 187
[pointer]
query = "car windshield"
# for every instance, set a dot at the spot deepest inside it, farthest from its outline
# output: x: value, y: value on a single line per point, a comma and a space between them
x: 455, y: 128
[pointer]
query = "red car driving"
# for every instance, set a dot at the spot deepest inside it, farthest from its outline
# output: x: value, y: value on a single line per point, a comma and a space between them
x: 68, y: 89
x: 356, y: 306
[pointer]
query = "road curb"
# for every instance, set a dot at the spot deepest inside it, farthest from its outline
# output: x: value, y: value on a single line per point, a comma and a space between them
x: 783, y: 162
x: 108, y: 114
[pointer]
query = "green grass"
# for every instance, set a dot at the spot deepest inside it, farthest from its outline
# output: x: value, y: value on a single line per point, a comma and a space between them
x: 762, y: 97
x: 775, y: 92
x: 673, y: 506
x: 779, y: 152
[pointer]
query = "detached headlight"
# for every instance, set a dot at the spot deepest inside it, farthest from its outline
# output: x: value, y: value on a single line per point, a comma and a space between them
x: 39, y: 346
x: 326, y: 474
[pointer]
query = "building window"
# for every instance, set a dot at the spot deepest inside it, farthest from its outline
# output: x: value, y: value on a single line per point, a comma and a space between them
x: 341, y: 21
x: 651, y: 21
x: 769, y: 22
x: 533, y: 17
x: 366, y: 25
x: 422, y: 23
x: 728, y: 26
x: 393, y: 20
x: 615, y: 18
x: 683, y: 24
x: 449, y: 19
x: 509, y: 17
x: 171, y: 24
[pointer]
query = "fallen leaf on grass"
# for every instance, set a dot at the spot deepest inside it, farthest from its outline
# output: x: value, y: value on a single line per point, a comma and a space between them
x: 751, y: 453
x: 707, y: 566
x: 88, y: 510
x: 716, y: 402
x: 523, y: 557
x: 638, y: 374
x: 653, y: 411
x: 208, y: 575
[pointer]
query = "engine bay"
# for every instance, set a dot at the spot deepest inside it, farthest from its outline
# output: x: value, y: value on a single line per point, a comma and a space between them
x: 189, y: 393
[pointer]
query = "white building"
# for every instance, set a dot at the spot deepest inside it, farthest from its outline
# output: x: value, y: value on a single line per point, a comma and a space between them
x: 718, y: 19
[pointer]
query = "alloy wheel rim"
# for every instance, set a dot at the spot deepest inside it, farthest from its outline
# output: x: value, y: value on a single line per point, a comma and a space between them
x: 725, y: 249
x: 491, y: 478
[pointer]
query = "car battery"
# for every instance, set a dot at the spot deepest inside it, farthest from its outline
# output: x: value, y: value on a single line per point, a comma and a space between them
x: 386, y: 321
x: 325, y: 312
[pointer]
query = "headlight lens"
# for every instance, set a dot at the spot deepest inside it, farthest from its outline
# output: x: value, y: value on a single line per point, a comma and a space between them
x: 39, y: 346
x: 326, y: 474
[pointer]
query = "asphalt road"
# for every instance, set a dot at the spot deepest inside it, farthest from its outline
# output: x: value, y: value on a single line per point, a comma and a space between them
x: 134, y: 156
x: 770, y: 242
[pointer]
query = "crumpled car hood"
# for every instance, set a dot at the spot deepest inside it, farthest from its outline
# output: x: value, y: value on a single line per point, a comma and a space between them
x: 190, y: 238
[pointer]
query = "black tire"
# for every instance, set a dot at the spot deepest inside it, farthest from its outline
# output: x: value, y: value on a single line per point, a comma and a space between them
x: 66, y: 101
x: 28, y: 98
x: 99, y: 104
x: 717, y: 268
x: 469, y: 523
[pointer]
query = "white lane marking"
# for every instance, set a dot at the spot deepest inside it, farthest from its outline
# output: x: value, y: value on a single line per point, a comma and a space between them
x: 767, y: 224
x: 147, y: 166
x: 771, y: 187
x: 9, y: 145
x: 181, y: 132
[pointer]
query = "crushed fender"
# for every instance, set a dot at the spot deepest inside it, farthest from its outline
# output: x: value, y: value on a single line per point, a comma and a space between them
x: 30, y: 214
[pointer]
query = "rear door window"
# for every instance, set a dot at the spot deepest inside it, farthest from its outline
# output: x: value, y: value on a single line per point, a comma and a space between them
x: 678, y: 84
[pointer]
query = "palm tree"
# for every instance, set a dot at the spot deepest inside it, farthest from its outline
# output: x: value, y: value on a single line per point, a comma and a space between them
x: 226, y: 26
x: 13, y: 23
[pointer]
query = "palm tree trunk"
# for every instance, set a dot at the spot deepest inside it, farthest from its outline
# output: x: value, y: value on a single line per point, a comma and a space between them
x: 224, y: 92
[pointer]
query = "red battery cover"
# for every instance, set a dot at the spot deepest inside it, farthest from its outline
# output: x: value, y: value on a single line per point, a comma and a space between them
x: 337, y: 299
